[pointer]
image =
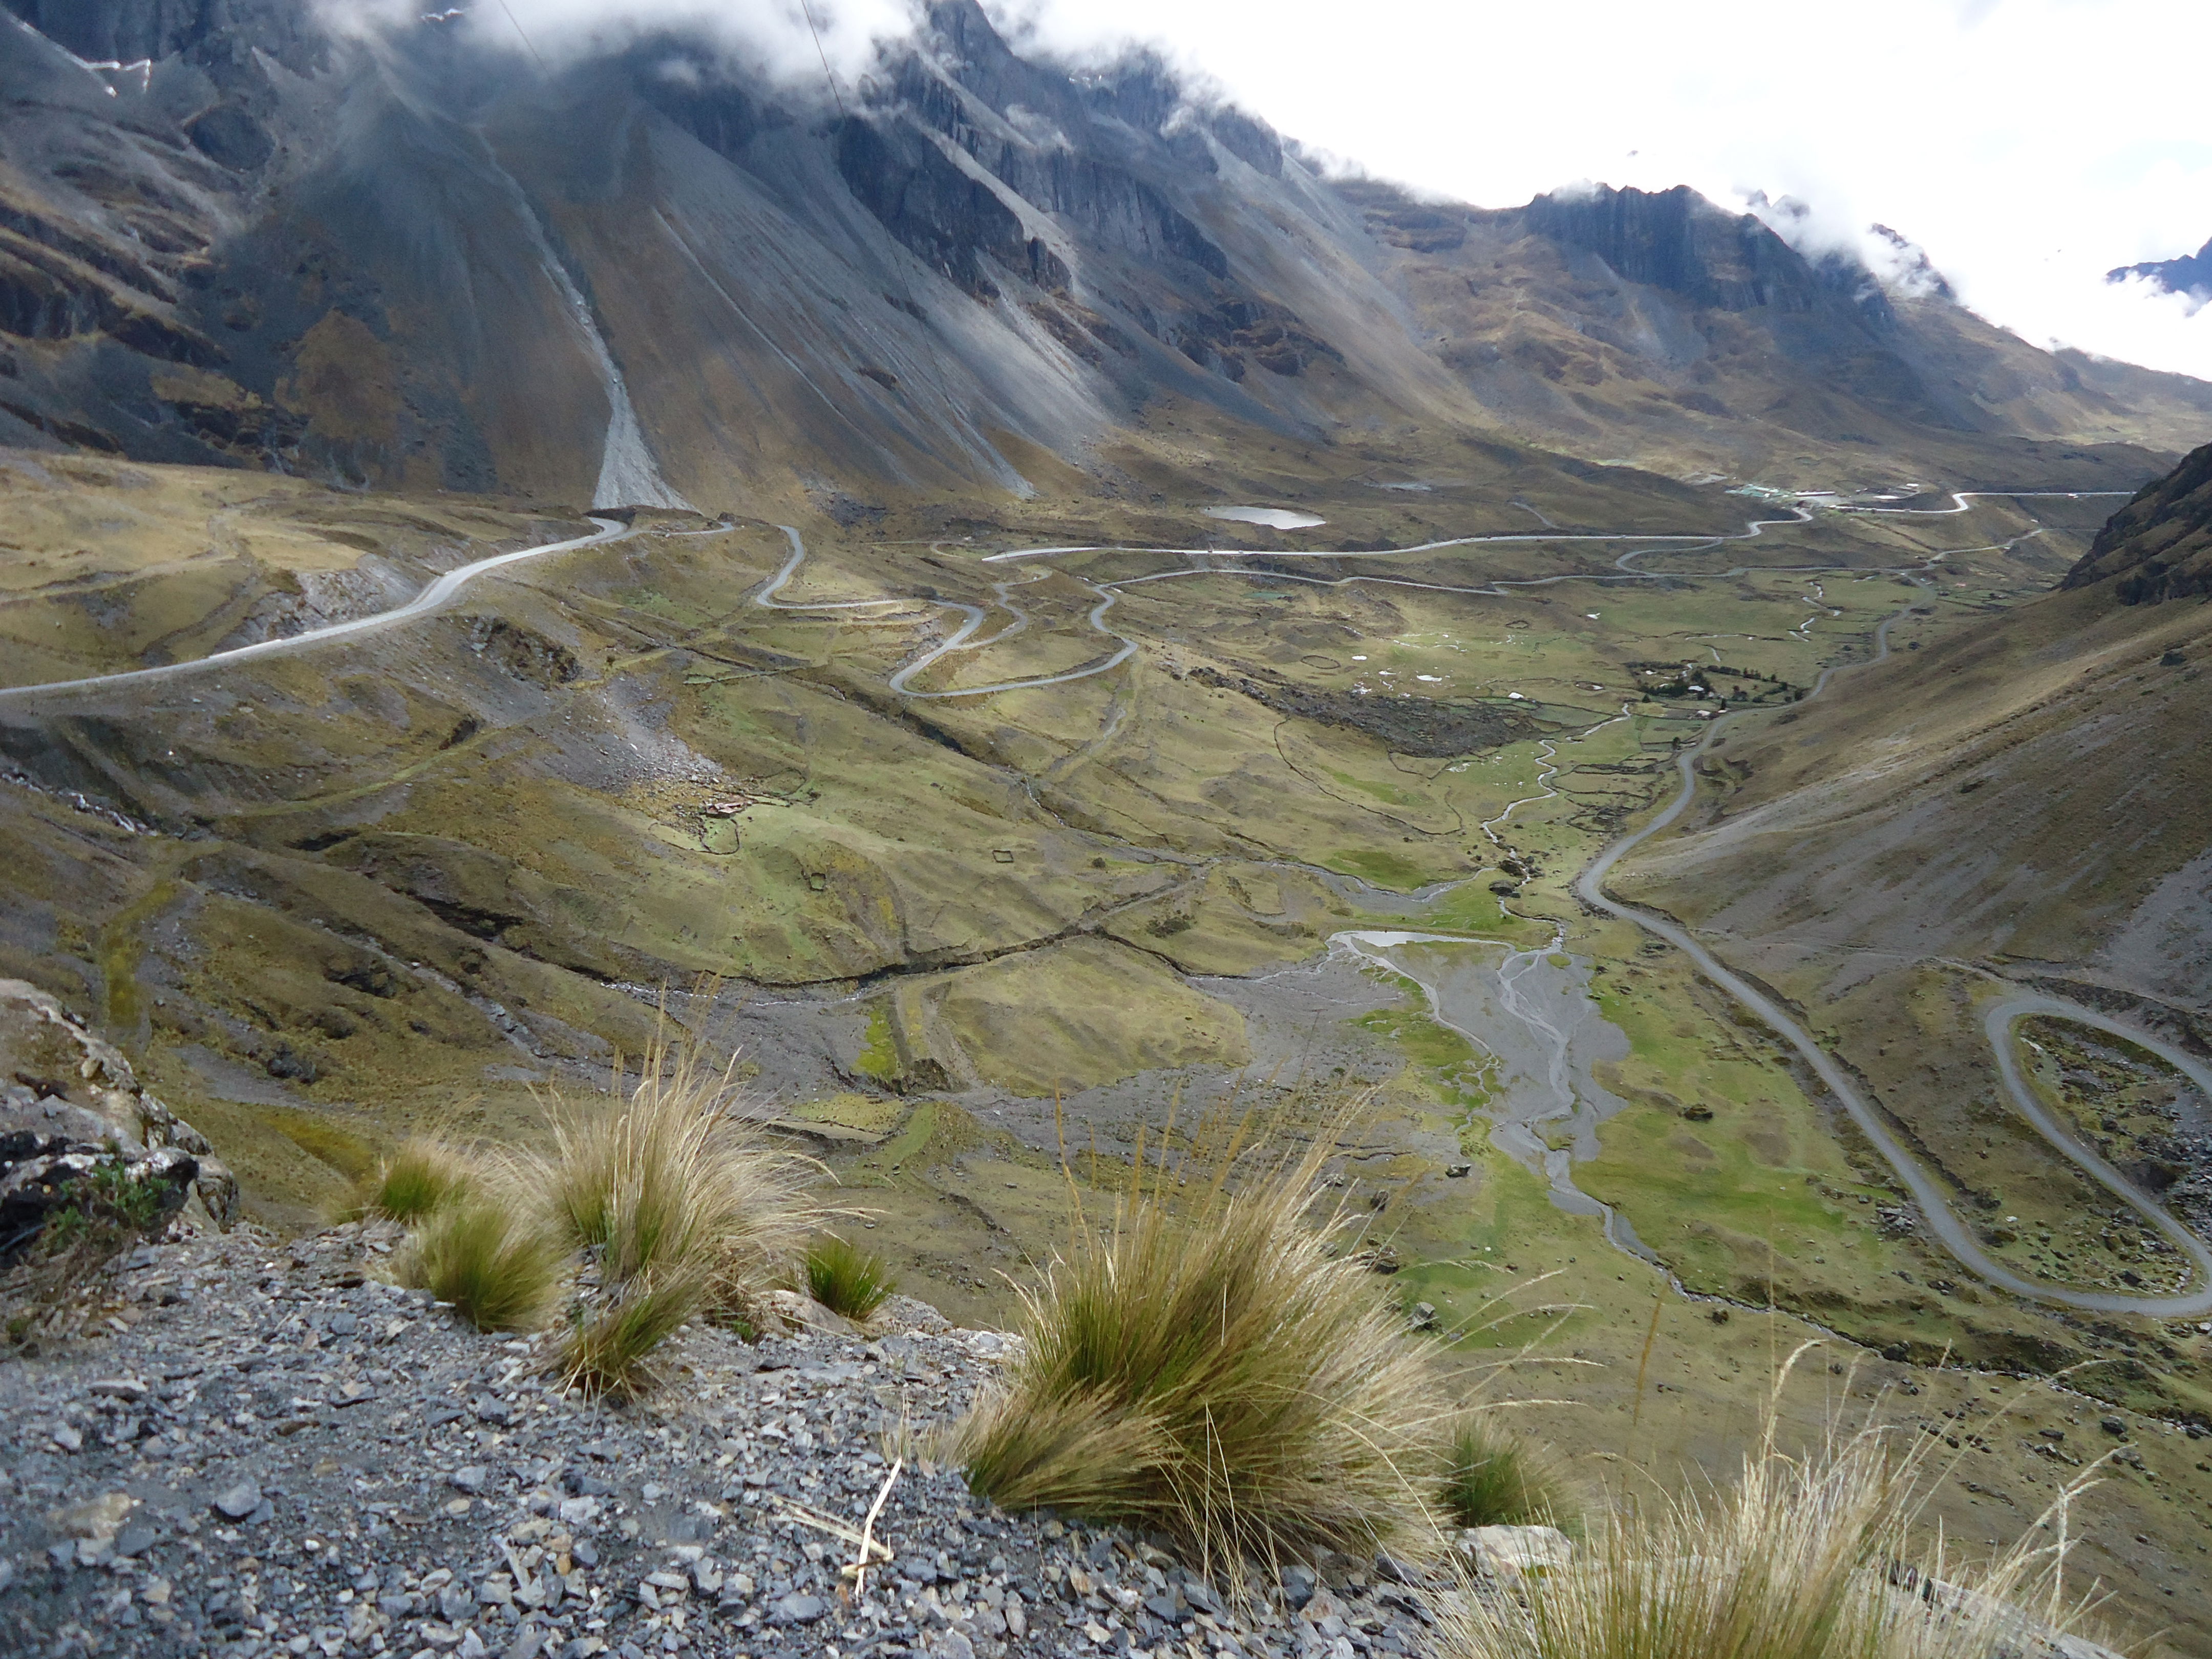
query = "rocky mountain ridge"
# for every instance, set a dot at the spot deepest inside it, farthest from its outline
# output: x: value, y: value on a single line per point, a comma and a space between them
x: 2187, y: 273
x: 403, y: 261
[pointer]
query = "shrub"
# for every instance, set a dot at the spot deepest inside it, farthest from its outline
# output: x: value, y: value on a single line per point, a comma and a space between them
x: 1221, y: 1376
x: 673, y: 1174
x: 846, y: 1278
x: 423, y: 1176
x: 42, y: 1273
x: 1804, y: 1559
x: 1494, y: 1479
x: 496, y: 1263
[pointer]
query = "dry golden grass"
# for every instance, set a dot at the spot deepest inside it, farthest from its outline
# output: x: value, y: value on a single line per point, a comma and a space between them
x: 679, y: 1205
x: 1818, y: 1556
x: 1215, y: 1370
x: 424, y: 1174
x: 490, y: 1257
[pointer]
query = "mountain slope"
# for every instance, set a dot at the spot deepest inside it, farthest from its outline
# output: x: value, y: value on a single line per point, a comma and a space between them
x: 2190, y: 273
x: 2029, y: 789
x: 2159, y: 546
x: 402, y: 262
x: 1690, y: 337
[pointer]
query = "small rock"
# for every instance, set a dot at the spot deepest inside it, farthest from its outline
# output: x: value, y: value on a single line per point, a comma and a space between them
x: 2112, y: 1425
x: 344, y: 1322
x: 797, y: 1610
x: 68, y: 1438
x: 1509, y: 1551
x: 241, y: 1501
x: 133, y: 1542
x: 470, y: 1479
x: 95, y: 1517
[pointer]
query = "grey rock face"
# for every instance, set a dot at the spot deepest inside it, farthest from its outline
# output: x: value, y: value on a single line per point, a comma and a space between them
x: 73, y: 1106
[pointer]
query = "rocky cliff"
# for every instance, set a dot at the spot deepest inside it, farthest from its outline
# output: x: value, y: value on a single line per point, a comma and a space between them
x: 2159, y: 546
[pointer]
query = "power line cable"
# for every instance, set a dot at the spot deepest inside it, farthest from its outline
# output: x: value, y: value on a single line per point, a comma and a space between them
x: 527, y: 40
x: 809, y: 12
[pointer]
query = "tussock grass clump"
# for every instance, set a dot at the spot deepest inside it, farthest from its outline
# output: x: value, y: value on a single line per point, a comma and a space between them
x: 680, y: 1207
x: 495, y: 1261
x: 609, y: 1350
x: 423, y: 1176
x: 846, y: 1278
x: 1216, y: 1374
x: 1806, y: 1558
x: 1493, y: 1477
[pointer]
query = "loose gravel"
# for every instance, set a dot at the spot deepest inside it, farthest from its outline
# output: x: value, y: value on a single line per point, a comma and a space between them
x: 271, y: 1450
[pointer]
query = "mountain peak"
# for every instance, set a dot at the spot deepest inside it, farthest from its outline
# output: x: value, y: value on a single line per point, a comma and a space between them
x: 2190, y: 274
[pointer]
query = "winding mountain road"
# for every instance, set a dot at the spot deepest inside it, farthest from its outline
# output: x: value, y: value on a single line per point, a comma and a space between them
x: 1935, y: 1206
x: 1109, y: 592
x: 433, y: 597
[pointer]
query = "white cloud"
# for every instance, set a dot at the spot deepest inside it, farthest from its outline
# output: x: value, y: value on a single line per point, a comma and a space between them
x: 2028, y: 145
x: 792, y: 41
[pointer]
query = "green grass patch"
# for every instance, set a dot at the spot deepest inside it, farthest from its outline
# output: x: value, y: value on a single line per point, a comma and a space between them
x: 423, y: 1177
x: 1455, y: 1071
x: 323, y: 1140
x: 846, y: 1278
x: 500, y: 1269
x: 1493, y: 1477
x: 1388, y: 794
x: 1471, y: 908
x: 1380, y: 868
x: 879, y: 1049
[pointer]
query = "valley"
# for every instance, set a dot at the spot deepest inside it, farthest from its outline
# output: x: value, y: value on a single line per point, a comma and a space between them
x: 1036, y: 614
x: 984, y: 850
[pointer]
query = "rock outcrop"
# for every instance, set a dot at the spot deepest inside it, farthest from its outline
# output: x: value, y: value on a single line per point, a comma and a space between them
x: 71, y: 1107
x: 2159, y: 546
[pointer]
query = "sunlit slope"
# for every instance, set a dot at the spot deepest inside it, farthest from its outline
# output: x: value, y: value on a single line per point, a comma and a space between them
x: 2030, y: 789
x: 1659, y: 328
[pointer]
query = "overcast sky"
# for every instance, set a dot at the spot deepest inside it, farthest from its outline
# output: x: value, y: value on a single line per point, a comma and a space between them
x: 2029, y: 145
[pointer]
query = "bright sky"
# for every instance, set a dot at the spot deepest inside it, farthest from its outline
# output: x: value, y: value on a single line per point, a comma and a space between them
x: 2029, y: 145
